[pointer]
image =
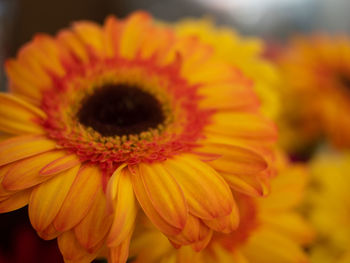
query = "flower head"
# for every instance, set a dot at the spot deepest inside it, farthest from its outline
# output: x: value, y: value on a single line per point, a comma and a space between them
x: 316, y: 72
x: 329, y: 211
x: 100, y: 115
x: 271, y: 229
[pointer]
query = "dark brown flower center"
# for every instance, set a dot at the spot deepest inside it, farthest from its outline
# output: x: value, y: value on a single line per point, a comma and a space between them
x: 116, y: 110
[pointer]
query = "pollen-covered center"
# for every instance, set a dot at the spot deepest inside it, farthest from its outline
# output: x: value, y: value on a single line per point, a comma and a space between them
x: 120, y: 109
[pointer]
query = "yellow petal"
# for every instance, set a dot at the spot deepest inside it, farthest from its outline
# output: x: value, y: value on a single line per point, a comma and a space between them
x: 93, y: 228
x: 91, y: 35
x: 18, y: 116
x: 73, y: 44
x: 225, y: 224
x: 20, y: 147
x: 165, y: 194
x: 243, y: 125
x: 119, y: 254
x: 235, y: 159
x: 202, y: 244
x: 47, y: 198
x: 49, y: 233
x: 124, y: 206
x: 71, y: 249
x: 15, y: 201
x: 206, y: 192
x: 112, y: 32
x: 25, y: 173
x: 134, y: 33
x: 148, y: 208
x: 62, y: 164
x: 79, y: 199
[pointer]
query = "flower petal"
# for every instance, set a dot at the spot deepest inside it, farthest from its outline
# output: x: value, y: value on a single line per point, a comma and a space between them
x: 235, y: 159
x: 71, y: 249
x: 15, y: 201
x: 124, y: 206
x: 20, y: 147
x: 94, y: 226
x: 148, y: 208
x: 206, y: 192
x: 62, y: 164
x: 243, y: 125
x: 18, y: 116
x: 79, y: 199
x: 165, y: 194
x: 120, y: 253
x: 47, y: 198
x: 225, y: 224
x: 49, y: 233
x: 25, y: 173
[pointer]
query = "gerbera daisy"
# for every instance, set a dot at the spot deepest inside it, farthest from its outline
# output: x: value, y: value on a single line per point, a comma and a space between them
x: 271, y: 230
x: 100, y: 114
x: 329, y: 207
x: 316, y: 72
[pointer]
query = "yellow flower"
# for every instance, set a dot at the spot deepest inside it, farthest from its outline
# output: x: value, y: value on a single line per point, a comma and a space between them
x: 316, y: 72
x: 98, y: 114
x: 271, y: 230
x: 245, y: 53
x: 330, y: 207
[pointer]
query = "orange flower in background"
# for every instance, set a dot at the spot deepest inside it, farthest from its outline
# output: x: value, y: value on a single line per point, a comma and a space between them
x: 100, y: 114
x: 317, y: 92
x: 271, y: 230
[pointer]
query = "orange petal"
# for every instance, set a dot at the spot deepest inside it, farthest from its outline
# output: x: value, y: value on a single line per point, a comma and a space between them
x: 148, y: 208
x: 15, y: 201
x: 193, y: 232
x: 24, y: 81
x: 71, y: 249
x: 243, y: 125
x: 225, y: 224
x: 206, y: 192
x: 72, y: 44
x: 18, y: 116
x: 124, y: 206
x: 62, y: 164
x: 3, y: 171
x: 134, y: 33
x: 93, y: 228
x: 165, y: 194
x: 49, y: 233
x: 249, y: 185
x: 112, y: 32
x: 47, y: 198
x: 120, y: 253
x: 91, y: 35
x: 235, y: 159
x: 79, y: 199
x: 20, y: 147
x: 202, y: 244
x: 25, y: 173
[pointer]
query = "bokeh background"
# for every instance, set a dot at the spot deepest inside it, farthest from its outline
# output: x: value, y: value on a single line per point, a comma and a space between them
x: 273, y: 20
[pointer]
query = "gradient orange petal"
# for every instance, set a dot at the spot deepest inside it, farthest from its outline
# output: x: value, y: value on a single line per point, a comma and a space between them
x: 79, y: 199
x: 20, y: 147
x: 207, y: 194
x: 18, y: 116
x: 119, y: 254
x: 121, y: 197
x: 25, y: 173
x: 95, y: 225
x: 60, y: 165
x: 148, y: 208
x: 47, y: 198
x: 15, y: 201
x: 165, y: 193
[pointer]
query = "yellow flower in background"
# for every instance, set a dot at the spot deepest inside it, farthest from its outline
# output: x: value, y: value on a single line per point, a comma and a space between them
x: 271, y: 229
x: 329, y: 204
x: 98, y: 114
x: 244, y: 53
x: 316, y: 74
